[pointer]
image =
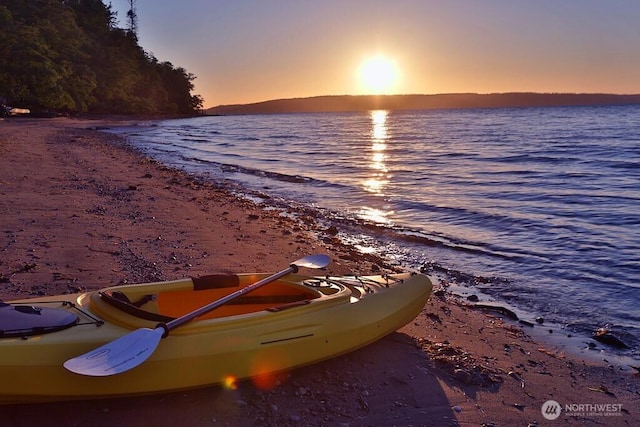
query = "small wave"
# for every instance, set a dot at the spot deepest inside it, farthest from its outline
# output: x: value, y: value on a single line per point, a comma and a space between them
x: 298, y: 179
x: 202, y: 140
x: 284, y: 136
x: 462, y: 277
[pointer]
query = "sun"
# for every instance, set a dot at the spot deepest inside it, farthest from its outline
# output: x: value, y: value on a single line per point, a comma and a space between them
x: 378, y: 75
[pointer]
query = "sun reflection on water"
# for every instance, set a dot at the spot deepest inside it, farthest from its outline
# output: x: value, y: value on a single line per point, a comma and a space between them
x: 374, y: 215
x: 379, y: 119
x: 379, y: 176
x: 376, y: 182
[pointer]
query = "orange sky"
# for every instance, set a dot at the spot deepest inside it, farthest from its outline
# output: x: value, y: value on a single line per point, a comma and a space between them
x: 250, y: 51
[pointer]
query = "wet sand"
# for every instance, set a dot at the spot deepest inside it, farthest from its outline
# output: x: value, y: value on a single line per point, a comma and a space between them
x: 80, y: 210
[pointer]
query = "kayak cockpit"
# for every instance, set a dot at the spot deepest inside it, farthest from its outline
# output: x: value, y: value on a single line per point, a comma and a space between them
x: 139, y: 304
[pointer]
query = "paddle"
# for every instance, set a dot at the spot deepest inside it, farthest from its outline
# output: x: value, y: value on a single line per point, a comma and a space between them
x: 134, y: 348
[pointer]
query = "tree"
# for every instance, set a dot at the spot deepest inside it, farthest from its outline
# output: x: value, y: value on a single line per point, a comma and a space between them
x: 132, y: 17
x: 68, y: 55
x: 44, y: 57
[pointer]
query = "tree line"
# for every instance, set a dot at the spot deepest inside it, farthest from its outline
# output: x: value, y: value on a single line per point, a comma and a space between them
x: 70, y: 56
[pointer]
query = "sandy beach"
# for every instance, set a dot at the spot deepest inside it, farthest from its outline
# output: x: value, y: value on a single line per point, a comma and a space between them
x: 81, y: 210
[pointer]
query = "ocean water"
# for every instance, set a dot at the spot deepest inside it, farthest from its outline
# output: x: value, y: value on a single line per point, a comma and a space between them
x: 534, y: 208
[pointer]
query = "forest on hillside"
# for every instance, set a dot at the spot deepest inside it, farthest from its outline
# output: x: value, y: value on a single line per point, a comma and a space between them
x: 70, y: 56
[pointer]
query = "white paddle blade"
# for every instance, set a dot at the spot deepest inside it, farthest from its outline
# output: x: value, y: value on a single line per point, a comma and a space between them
x: 313, y: 261
x: 118, y: 356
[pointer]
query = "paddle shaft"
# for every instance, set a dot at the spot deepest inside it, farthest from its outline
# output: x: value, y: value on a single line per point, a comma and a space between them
x: 217, y: 303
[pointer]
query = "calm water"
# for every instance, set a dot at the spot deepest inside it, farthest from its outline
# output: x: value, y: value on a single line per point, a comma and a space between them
x: 535, y: 207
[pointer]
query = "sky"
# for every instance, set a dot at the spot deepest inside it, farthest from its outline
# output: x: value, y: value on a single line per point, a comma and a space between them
x: 244, y: 51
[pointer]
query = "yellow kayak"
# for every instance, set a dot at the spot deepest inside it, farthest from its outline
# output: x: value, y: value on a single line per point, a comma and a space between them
x: 293, y: 321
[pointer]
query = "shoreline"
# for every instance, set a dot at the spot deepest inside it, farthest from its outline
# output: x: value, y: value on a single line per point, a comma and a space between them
x: 348, y: 230
x: 553, y: 334
x: 84, y: 210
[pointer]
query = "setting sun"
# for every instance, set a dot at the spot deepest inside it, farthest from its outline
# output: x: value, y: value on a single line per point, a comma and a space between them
x: 378, y: 75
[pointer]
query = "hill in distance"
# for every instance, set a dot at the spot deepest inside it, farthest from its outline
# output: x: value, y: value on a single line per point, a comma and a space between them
x: 340, y: 103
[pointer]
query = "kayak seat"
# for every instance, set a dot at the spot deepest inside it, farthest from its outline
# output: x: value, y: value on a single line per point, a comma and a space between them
x: 180, y: 302
x: 146, y: 307
x: 215, y: 281
x: 121, y: 301
x: 121, y: 296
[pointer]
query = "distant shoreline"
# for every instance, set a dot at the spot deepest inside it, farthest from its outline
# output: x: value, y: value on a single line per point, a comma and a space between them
x: 345, y: 103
